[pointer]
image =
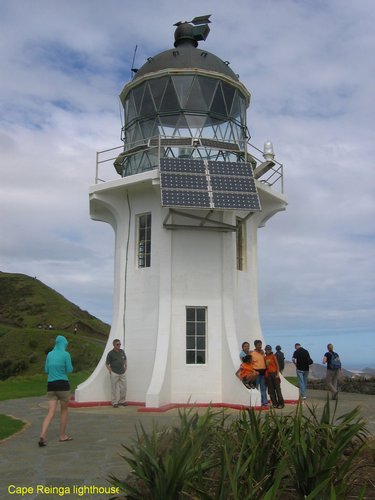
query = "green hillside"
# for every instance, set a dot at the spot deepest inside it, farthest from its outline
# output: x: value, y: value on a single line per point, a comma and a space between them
x: 26, y: 302
x: 23, y: 351
x: 31, y: 316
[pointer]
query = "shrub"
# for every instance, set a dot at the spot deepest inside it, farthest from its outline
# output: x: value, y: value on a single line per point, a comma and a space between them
x: 358, y: 385
x: 9, y: 368
x: 252, y: 456
x: 5, y: 368
x: 168, y: 461
x: 320, y: 452
x: 33, y: 358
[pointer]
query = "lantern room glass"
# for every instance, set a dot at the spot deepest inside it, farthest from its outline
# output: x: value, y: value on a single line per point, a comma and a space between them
x: 189, y: 106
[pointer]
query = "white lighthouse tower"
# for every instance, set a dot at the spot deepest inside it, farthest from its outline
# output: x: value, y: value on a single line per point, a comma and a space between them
x: 185, y: 210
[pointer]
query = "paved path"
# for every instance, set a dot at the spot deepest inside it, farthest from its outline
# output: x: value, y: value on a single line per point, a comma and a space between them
x: 95, y: 451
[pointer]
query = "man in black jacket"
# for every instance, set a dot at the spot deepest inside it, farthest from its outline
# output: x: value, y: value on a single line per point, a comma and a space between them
x: 301, y: 358
x: 280, y: 358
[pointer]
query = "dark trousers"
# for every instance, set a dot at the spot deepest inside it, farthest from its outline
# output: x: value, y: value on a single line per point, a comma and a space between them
x: 274, y: 389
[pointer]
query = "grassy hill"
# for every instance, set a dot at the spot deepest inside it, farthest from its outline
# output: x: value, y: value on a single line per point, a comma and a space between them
x: 26, y: 302
x: 27, y: 309
x: 23, y: 351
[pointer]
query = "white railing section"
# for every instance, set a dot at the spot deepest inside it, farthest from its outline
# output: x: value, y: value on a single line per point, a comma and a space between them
x: 105, y: 159
x: 273, y: 177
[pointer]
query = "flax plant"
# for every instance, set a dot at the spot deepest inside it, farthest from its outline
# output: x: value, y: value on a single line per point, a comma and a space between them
x: 320, y: 452
x: 250, y: 458
x: 253, y: 456
x: 168, y: 462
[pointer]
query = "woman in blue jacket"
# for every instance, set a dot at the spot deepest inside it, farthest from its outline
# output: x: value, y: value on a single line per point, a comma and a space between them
x: 58, y: 365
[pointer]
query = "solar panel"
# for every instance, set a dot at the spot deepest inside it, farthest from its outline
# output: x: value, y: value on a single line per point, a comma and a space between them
x: 184, y: 181
x: 182, y: 165
x: 213, y: 143
x: 224, y: 183
x: 230, y: 168
x: 172, y: 141
x: 189, y: 183
x: 188, y: 141
x: 237, y: 201
x: 185, y: 199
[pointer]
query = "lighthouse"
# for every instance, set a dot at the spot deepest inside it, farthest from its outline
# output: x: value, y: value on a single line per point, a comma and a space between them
x: 189, y: 196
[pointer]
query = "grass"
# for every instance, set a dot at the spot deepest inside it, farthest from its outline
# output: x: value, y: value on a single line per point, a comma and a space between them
x: 292, y: 380
x: 34, y: 385
x: 31, y: 316
x: 26, y: 302
x: 9, y: 426
x: 26, y: 387
x: 23, y: 351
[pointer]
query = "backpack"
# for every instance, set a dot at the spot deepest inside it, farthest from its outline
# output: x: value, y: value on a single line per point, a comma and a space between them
x: 335, y: 361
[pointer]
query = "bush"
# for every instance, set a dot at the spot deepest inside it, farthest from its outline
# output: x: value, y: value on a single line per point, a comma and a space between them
x: 254, y: 456
x: 358, y: 385
x: 5, y: 368
x: 9, y: 368
x: 33, y: 358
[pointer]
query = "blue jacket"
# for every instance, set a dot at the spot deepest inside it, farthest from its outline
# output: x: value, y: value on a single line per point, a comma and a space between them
x: 58, y: 362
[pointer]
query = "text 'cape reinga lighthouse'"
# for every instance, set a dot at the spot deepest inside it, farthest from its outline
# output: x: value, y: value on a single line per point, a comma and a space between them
x: 190, y: 196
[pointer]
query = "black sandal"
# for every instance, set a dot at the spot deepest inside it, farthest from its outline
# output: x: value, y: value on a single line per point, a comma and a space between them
x: 42, y: 442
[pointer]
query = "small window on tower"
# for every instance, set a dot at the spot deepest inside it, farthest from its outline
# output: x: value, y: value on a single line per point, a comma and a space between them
x: 241, y: 245
x: 196, y: 326
x: 144, y: 240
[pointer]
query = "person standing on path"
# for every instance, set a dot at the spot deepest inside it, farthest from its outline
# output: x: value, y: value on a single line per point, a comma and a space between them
x: 259, y: 364
x: 58, y: 365
x: 301, y: 358
x: 117, y: 365
x: 273, y: 378
x: 332, y: 360
x: 280, y: 358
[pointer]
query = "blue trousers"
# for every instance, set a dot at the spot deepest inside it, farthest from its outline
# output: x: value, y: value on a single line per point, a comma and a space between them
x: 302, y: 382
x: 260, y: 383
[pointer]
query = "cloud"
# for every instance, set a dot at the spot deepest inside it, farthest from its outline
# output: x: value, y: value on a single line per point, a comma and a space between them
x: 309, y: 67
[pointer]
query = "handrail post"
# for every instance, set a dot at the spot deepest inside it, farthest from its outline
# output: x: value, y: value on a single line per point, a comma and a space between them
x: 97, y: 167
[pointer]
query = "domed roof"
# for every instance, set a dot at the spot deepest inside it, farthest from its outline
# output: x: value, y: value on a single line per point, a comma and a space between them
x: 186, y: 55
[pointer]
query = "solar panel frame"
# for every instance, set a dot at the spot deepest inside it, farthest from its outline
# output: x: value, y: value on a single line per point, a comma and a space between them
x: 172, y: 141
x: 185, y: 199
x: 214, y: 143
x: 234, y: 184
x: 193, y: 183
x: 182, y: 165
x: 230, y: 168
x: 184, y: 181
x: 239, y: 201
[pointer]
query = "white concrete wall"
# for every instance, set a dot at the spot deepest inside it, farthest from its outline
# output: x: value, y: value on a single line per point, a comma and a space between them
x: 188, y: 268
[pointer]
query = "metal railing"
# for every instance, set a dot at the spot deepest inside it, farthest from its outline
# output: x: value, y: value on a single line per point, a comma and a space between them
x: 274, y: 177
x: 109, y: 162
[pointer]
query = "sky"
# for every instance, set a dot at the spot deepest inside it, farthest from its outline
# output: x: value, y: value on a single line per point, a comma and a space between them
x: 310, y: 67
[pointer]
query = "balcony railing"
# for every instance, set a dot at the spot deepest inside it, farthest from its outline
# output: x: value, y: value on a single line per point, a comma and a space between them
x: 112, y: 163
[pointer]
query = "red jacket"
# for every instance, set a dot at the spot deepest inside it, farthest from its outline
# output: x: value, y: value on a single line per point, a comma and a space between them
x: 271, y: 364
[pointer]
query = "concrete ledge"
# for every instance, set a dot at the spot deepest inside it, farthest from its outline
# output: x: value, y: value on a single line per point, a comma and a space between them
x: 172, y: 406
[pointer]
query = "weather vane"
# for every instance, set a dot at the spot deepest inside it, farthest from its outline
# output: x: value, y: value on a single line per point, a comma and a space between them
x: 199, y: 30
